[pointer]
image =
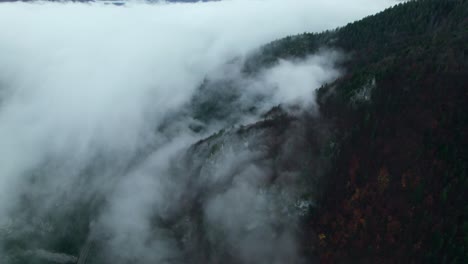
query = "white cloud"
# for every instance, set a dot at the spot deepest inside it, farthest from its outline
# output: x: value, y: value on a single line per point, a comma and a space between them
x: 86, y: 85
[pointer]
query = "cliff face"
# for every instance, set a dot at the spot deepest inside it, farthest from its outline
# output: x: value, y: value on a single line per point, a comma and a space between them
x: 261, y: 195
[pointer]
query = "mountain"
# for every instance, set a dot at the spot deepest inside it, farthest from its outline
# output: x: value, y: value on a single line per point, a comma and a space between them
x: 397, y: 188
x: 378, y: 176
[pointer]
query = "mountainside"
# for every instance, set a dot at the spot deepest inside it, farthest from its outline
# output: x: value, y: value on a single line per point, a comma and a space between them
x: 377, y: 172
x: 397, y: 189
x: 395, y: 129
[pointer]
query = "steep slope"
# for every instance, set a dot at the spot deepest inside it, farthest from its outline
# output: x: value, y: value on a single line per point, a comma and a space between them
x: 393, y: 127
x: 397, y: 191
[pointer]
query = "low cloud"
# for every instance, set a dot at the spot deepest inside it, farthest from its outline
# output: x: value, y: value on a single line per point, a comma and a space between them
x: 98, y: 122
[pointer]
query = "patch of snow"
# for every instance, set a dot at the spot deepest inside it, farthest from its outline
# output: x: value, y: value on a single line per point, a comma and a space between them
x: 364, y: 94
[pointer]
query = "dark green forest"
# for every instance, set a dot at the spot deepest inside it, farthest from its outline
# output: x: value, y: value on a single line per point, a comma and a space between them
x: 398, y: 189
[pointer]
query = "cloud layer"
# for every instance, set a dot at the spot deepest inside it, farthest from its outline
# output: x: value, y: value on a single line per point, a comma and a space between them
x: 86, y: 92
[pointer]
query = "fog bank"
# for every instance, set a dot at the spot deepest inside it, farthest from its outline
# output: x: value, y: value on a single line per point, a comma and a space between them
x: 100, y: 106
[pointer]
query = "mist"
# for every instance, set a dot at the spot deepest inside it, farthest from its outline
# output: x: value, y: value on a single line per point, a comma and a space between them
x: 107, y: 142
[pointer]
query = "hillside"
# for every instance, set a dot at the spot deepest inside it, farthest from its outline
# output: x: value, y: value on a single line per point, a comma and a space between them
x: 398, y: 189
x: 376, y: 172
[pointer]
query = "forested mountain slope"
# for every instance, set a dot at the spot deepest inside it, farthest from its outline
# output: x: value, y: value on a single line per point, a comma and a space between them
x: 398, y: 189
x: 378, y: 174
